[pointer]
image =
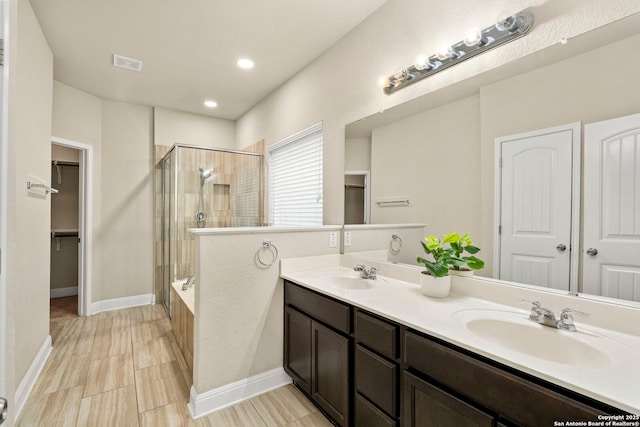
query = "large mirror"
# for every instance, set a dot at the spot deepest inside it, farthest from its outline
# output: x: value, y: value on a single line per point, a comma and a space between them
x: 439, y: 153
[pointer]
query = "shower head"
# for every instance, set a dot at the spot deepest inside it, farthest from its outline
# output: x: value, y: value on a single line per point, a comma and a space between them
x: 204, y: 174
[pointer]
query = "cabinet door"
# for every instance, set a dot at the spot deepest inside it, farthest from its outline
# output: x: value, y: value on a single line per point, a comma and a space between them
x: 297, y: 347
x: 427, y: 405
x: 330, y: 372
x: 377, y: 379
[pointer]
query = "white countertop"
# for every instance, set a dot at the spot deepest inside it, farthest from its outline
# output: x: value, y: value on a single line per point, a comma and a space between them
x: 617, y: 385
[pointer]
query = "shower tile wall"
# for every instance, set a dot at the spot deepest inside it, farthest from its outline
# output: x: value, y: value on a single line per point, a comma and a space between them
x: 231, y: 197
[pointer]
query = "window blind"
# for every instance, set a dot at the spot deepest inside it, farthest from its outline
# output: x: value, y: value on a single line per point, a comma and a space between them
x: 295, y: 179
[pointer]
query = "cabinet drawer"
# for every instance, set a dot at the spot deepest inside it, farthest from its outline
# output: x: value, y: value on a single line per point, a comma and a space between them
x: 377, y: 379
x: 427, y: 405
x: 368, y: 415
x: 328, y: 311
x: 516, y: 398
x: 377, y: 334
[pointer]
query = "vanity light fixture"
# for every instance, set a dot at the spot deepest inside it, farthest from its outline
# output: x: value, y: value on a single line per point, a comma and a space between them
x: 475, y: 42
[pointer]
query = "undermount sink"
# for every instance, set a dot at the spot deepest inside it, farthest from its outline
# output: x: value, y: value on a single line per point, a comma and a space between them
x: 515, y: 332
x: 342, y: 280
x: 349, y: 282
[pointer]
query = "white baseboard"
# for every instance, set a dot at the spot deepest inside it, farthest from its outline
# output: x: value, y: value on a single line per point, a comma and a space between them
x: 125, y: 302
x: 29, y: 380
x: 63, y: 292
x: 230, y: 394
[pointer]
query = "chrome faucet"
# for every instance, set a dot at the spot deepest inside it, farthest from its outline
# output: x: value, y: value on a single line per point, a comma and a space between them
x: 366, y: 273
x: 191, y: 281
x: 546, y: 317
x: 566, y: 319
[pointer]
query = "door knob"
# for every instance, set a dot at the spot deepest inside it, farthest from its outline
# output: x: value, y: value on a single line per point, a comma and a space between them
x: 592, y: 252
x: 3, y: 409
x: 561, y: 247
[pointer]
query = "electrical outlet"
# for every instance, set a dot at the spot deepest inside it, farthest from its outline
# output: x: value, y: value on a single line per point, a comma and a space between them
x: 333, y: 239
x: 347, y: 238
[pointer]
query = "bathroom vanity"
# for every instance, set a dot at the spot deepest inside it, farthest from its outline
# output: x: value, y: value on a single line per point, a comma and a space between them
x: 377, y: 353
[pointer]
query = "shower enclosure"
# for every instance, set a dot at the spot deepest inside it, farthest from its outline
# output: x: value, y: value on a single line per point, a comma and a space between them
x: 204, y: 187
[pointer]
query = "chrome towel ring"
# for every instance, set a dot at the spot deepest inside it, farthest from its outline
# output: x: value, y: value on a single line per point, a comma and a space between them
x: 267, y: 246
x: 396, y: 244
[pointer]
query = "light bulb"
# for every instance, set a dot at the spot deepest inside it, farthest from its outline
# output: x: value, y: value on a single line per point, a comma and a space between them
x: 473, y: 37
x: 422, y: 62
x: 445, y: 52
x: 505, y: 22
x: 382, y: 81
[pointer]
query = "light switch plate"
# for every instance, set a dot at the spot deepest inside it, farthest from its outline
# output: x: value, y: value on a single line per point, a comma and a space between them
x: 347, y: 238
x: 333, y: 239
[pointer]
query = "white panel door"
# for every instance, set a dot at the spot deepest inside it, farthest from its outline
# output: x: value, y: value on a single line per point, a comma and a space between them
x: 611, y: 250
x: 536, y: 182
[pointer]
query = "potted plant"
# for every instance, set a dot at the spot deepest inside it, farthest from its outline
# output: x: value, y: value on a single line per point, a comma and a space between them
x: 459, y: 263
x: 435, y: 281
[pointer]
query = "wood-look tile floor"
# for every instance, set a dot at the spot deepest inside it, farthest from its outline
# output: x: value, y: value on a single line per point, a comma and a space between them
x: 123, y: 368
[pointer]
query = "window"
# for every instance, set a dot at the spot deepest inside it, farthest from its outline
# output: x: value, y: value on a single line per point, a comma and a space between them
x: 295, y: 179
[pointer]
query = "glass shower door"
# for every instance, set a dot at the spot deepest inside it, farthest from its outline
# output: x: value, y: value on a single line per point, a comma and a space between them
x: 168, y: 229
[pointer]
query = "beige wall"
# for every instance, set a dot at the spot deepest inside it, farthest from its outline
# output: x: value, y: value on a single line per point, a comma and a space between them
x: 176, y: 127
x: 125, y: 232
x: 339, y: 87
x: 239, y: 305
x: 432, y: 159
x: 28, y: 215
x: 64, y: 154
x: 357, y: 154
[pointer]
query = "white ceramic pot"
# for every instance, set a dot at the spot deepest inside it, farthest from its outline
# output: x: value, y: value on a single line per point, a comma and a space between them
x: 436, y: 287
x: 463, y: 273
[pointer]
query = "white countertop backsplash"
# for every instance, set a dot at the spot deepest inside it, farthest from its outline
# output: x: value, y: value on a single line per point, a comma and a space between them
x: 396, y: 296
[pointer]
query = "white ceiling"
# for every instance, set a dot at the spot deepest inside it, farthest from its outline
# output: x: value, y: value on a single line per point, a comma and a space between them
x: 189, y: 48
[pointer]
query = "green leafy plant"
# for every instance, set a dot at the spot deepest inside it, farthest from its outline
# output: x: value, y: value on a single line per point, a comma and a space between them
x: 453, y: 257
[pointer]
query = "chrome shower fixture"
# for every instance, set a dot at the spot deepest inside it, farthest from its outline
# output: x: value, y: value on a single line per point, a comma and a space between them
x: 201, y: 215
x: 205, y: 173
x: 475, y: 42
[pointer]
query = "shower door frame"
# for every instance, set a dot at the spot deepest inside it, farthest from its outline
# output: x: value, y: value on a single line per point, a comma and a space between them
x: 168, y: 226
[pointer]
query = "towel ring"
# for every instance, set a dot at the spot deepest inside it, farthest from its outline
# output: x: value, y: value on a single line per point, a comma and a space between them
x: 267, y: 245
x: 395, y: 249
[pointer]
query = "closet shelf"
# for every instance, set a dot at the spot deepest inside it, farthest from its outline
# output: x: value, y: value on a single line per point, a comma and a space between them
x: 64, y: 233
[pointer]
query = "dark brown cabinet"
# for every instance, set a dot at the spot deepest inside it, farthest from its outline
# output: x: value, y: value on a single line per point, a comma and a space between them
x: 317, y: 350
x: 376, y: 371
x: 512, y: 397
x: 427, y: 405
x: 297, y: 347
x: 330, y: 372
x: 364, y: 370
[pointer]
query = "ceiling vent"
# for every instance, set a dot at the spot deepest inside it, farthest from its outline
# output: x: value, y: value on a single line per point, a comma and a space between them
x: 128, y: 63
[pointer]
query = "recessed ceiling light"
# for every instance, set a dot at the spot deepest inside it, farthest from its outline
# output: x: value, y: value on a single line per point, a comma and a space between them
x: 210, y: 104
x: 245, y: 63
